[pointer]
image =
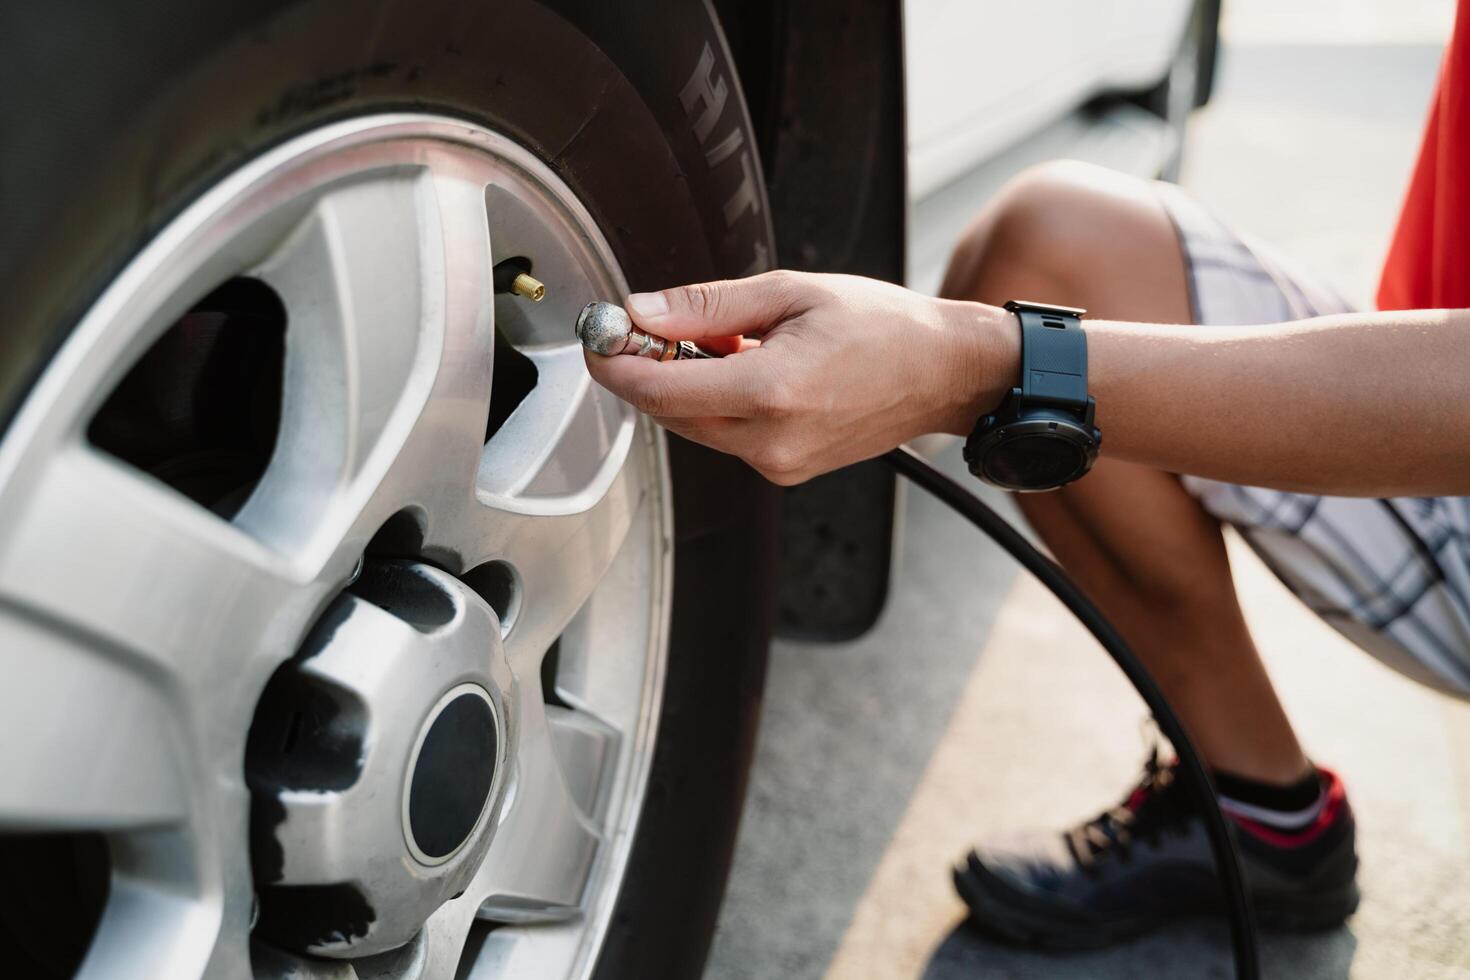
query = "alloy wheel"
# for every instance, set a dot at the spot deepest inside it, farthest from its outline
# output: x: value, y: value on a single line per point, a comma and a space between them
x: 332, y: 591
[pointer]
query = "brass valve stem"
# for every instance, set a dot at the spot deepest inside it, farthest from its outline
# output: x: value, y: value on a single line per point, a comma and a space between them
x: 527, y: 286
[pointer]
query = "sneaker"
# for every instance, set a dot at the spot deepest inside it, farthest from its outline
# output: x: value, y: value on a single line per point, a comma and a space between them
x: 1148, y: 862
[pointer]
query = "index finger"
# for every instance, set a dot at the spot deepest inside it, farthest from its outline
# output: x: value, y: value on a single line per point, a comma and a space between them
x: 725, y: 387
x: 725, y: 308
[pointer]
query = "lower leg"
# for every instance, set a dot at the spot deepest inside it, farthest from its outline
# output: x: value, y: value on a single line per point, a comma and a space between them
x: 1134, y: 539
x: 1155, y: 563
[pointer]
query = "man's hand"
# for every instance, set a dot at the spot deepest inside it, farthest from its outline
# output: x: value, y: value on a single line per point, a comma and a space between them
x: 834, y: 369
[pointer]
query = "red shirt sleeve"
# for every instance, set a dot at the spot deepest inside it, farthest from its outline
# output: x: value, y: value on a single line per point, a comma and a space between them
x: 1428, y: 264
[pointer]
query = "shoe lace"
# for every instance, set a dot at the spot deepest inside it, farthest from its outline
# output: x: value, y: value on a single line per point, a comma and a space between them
x: 1154, y: 807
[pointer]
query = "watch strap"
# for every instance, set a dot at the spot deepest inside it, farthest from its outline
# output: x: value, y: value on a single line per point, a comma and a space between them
x: 1053, y: 355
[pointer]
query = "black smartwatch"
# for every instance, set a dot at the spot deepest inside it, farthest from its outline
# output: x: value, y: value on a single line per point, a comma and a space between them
x: 1042, y: 435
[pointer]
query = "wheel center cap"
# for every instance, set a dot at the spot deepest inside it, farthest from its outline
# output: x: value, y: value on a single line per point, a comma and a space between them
x: 452, y: 773
x: 376, y: 763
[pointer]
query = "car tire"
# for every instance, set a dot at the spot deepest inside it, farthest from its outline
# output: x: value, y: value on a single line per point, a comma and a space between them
x: 117, y: 118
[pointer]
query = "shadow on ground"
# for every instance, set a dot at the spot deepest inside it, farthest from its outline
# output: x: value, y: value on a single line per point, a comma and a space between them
x: 1193, y: 949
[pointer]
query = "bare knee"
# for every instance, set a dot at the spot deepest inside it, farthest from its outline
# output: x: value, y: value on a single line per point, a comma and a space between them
x: 1024, y: 230
x: 1078, y: 234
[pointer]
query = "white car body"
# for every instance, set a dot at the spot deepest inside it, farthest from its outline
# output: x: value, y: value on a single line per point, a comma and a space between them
x: 993, y: 85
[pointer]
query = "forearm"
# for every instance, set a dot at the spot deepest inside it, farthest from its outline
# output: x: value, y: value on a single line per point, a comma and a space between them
x: 845, y: 368
x: 1370, y: 404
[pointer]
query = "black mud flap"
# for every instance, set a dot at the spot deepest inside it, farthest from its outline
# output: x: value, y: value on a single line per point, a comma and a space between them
x: 824, y: 83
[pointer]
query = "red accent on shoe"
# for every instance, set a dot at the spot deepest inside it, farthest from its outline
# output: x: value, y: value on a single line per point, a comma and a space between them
x: 1141, y: 794
x: 1336, y: 803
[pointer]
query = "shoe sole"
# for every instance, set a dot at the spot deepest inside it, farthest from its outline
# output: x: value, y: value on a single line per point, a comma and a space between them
x: 1015, y: 924
x: 1315, y: 913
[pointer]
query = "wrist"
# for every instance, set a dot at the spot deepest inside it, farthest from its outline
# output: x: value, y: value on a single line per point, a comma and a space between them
x: 985, y: 362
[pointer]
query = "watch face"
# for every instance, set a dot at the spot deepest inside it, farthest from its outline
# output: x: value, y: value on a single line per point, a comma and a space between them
x: 1035, y: 462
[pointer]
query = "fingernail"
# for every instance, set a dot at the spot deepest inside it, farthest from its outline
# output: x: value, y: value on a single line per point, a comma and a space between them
x: 648, y: 305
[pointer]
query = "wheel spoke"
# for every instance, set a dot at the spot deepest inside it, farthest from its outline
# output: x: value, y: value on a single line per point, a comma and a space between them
x: 561, y: 437
x: 583, y: 747
x: 387, y: 285
x: 543, y: 851
x: 94, y: 547
x: 436, y: 466
x: 444, y: 937
x: 121, y: 766
x: 560, y: 547
x: 357, y: 277
x: 159, y: 922
x: 143, y: 572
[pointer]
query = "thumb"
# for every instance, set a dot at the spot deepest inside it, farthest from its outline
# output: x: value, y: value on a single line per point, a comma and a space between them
x: 725, y: 308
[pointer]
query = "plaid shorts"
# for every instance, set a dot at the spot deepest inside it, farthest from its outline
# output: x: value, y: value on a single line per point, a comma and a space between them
x: 1393, y: 575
